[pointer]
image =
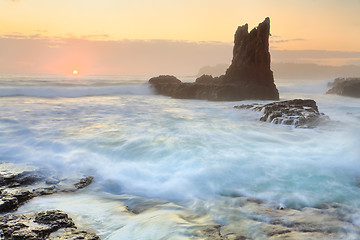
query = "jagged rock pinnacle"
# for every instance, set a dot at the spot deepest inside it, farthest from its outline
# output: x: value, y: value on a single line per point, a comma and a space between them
x: 248, y: 77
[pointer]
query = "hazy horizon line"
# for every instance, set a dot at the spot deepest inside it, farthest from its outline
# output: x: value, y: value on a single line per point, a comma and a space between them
x: 36, y: 54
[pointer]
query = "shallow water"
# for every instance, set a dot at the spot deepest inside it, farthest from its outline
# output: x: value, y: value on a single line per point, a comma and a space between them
x: 181, y: 160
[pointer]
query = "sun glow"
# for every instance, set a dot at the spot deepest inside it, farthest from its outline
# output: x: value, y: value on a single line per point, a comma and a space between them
x: 75, y: 72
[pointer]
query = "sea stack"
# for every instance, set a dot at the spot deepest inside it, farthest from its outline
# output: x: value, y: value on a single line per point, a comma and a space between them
x: 248, y: 77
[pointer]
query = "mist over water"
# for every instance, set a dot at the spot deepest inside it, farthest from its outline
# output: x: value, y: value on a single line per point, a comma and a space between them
x: 178, y: 157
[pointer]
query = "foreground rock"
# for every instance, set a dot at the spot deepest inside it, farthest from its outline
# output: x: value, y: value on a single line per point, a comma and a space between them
x: 20, y: 183
x: 32, y: 226
x: 298, y: 112
x: 345, y: 86
x: 248, y: 77
x: 254, y: 219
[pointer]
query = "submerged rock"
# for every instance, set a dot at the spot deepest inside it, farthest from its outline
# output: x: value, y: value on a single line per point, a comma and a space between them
x: 253, y: 220
x: 248, y: 77
x: 40, y: 225
x: 298, y: 112
x: 345, y: 86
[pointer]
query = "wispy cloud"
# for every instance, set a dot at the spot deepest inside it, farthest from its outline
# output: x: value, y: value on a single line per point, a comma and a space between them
x: 98, y: 54
x: 40, y: 35
x: 278, y: 39
x: 16, y: 35
x: 288, y: 40
x: 323, y: 57
x: 96, y: 37
x: 41, y: 31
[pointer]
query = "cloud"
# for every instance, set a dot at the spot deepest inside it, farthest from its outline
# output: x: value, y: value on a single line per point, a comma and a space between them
x: 286, y: 40
x: 275, y: 36
x: 13, y: 36
x: 323, y: 57
x: 16, y: 35
x: 39, y: 35
x: 314, y: 54
x: 96, y: 37
x: 97, y: 54
x: 41, y: 31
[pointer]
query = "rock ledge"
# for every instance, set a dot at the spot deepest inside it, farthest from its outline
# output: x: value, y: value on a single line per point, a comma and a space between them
x: 297, y: 112
x: 20, y: 183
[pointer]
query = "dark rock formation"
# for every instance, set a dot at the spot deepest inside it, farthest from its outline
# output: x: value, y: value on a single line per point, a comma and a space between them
x: 248, y: 77
x: 298, y: 112
x: 84, y: 182
x: 72, y: 234
x: 33, y: 226
x: 251, y: 57
x: 20, y: 183
x: 164, y: 79
x: 346, y: 87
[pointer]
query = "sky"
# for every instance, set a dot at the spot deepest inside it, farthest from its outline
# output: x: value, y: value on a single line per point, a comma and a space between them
x: 168, y: 36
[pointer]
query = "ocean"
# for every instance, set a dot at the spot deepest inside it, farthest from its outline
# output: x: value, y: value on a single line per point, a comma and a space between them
x: 176, y: 164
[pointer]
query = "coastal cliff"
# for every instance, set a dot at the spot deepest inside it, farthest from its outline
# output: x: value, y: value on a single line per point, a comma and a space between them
x: 248, y: 77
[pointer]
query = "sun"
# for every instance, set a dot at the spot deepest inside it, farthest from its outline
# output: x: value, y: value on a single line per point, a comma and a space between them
x: 75, y: 72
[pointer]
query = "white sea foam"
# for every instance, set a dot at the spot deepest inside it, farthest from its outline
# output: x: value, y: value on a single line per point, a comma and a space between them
x: 64, y: 92
x: 184, y: 150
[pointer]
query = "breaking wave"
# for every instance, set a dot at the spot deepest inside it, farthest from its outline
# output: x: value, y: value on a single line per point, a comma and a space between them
x: 73, y: 92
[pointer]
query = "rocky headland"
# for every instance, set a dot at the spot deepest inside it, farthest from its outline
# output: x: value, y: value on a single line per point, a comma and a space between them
x: 297, y: 112
x: 18, y: 184
x: 248, y: 77
x: 349, y: 87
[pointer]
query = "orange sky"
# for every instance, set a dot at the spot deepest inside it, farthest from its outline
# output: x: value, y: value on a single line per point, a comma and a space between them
x: 330, y: 25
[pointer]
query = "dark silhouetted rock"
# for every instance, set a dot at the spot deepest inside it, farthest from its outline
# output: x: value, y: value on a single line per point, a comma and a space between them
x: 346, y: 87
x: 251, y: 57
x: 298, y: 112
x: 164, y: 79
x: 248, y: 77
x: 165, y: 84
x: 207, y: 79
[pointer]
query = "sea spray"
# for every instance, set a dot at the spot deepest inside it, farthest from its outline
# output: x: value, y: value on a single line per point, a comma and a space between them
x: 191, y: 153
